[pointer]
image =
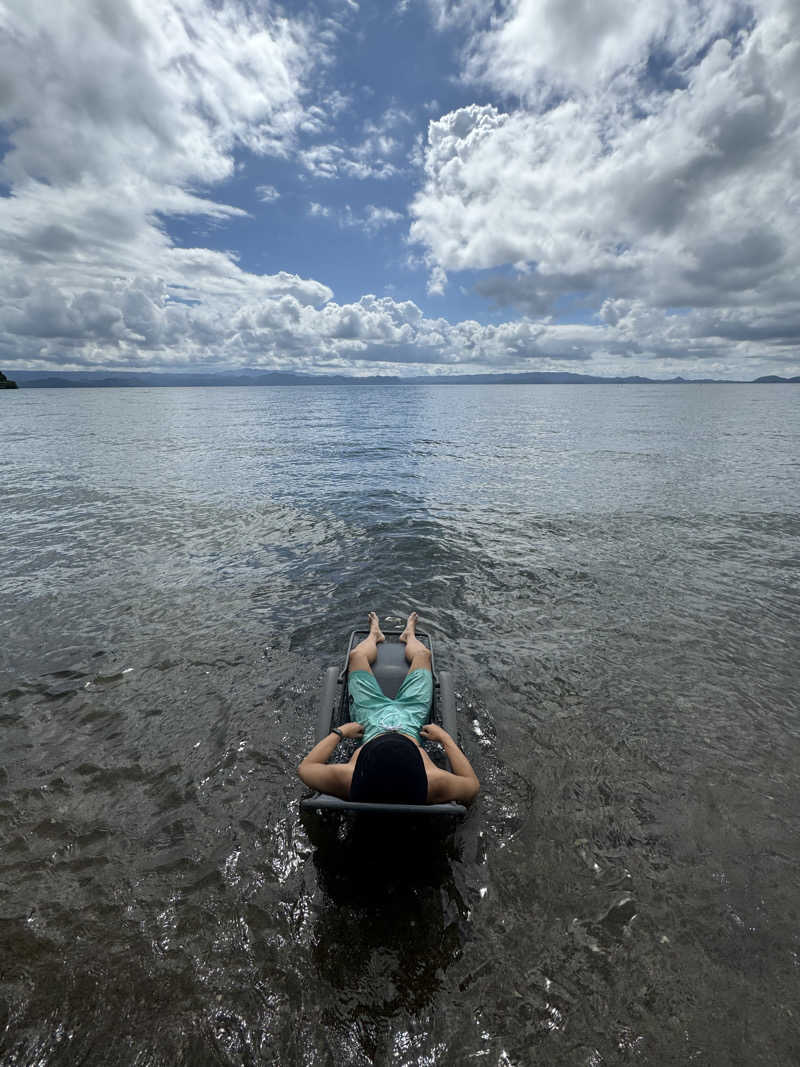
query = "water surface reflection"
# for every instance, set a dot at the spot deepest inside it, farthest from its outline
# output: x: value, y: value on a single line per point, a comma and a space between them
x: 390, y: 920
x: 611, y: 576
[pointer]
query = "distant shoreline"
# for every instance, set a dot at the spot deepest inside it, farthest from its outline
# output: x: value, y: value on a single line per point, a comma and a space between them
x: 153, y: 379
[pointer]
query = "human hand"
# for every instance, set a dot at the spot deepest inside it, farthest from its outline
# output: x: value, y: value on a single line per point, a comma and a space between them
x: 432, y: 732
x: 352, y: 729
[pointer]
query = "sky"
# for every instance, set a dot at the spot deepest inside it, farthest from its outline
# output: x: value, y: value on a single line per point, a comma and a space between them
x: 401, y: 186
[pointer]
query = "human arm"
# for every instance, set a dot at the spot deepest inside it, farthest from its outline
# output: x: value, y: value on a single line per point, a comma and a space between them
x: 332, y: 778
x: 462, y: 783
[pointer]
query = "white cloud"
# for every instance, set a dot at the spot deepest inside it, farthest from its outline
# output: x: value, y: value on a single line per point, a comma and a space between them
x: 628, y: 187
x: 370, y: 220
x: 376, y: 155
x: 542, y: 46
x: 374, y: 218
x: 365, y: 160
x: 377, y: 218
x: 319, y: 116
x: 165, y: 88
x: 437, y: 281
x: 450, y: 13
x: 116, y: 112
x: 286, y: 322
x: 122, y: 114
x: 267, y: 193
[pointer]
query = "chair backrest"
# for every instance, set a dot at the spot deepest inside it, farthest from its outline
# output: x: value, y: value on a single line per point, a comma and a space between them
x: 391, y: 667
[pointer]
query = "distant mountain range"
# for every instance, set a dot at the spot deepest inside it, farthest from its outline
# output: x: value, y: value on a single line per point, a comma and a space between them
x: 29, y: 379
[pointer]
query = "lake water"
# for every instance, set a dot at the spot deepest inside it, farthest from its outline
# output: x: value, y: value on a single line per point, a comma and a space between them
x: 611, y: 573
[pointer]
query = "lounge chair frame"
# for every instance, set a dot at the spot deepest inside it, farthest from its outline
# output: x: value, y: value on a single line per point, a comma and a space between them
x: 390, y: 668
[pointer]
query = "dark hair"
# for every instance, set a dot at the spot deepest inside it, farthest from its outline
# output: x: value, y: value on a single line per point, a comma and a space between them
x: 389, y: 770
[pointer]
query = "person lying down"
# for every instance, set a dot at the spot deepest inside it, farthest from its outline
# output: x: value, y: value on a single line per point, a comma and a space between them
x: 390, y: 766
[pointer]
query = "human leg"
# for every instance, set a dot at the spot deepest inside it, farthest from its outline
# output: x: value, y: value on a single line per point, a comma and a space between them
x: 414, y: 700
x: 415, y: 695
x: 366, y: 652
x: 367, y: 702
x: 418, y: 656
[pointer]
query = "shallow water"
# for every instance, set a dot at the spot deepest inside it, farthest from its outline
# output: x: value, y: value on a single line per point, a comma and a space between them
x: 612, y: 575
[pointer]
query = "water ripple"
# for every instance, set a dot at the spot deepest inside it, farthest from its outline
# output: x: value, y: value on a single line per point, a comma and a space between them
x: 612, y: 577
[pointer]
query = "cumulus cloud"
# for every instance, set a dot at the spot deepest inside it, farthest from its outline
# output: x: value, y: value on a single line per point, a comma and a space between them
x: 546, y: 46
x: 633, y: 187
x: 165, y: 88
x: 116, y: 113
x: 653, y: 159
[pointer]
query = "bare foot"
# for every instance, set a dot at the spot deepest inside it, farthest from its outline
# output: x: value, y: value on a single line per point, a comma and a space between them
x: 374, y: 628
x: 409, y: 630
